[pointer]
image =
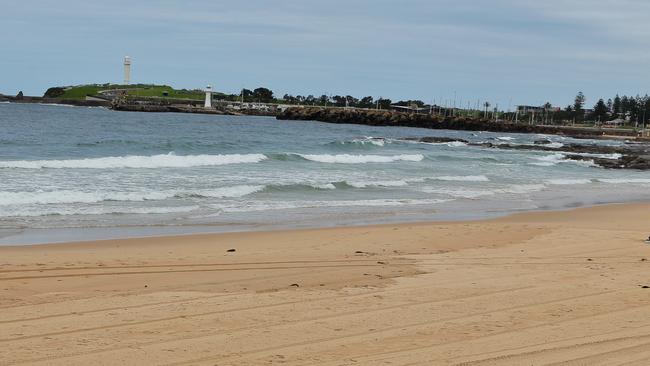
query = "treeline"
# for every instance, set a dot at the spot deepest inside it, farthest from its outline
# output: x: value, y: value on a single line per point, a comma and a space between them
x: 632, y: 109
x: 628, y: 109
x: 265, y: 95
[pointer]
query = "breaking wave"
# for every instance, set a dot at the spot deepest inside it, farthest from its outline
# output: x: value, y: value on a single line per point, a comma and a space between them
x: 71, y: 196
x: 361, y: 159
x: 555, y: 159
x: 137, y: 161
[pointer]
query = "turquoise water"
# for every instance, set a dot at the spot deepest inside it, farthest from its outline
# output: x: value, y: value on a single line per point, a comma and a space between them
x: 95, y: 169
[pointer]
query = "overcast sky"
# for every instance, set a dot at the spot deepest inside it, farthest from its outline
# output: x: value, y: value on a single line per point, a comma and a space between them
x: 504, y: 51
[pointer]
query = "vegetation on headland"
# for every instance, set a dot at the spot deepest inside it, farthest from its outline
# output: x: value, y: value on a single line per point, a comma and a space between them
x: 139, y: 90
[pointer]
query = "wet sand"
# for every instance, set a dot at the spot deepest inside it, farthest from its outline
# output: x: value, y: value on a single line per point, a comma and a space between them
x: 532, y: 289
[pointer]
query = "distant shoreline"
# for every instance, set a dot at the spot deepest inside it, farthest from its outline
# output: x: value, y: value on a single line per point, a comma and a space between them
x: 369, y: 117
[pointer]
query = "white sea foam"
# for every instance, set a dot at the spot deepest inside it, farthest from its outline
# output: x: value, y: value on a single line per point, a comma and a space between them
x: 505, y: 138
x: 284, y: 205
x: 521, y: 188
x: 568, y: 182
x: 555, y: 145
x: 476, y: 193
x: 371, y: 140
x: 625, y: 180
x: 36, y: 211
x: 555, y: 159
x: 324, y: 186
x: 385, y: 183
x: 463, y: 178
x: 613, y: 156
x: 456, y: 144
x: 135, y: 161
x: 361, y: 159
x: 71, y: 196
x: 458, y: 192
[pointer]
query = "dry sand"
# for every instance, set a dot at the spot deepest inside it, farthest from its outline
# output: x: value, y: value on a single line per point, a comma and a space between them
x: 533, y: 289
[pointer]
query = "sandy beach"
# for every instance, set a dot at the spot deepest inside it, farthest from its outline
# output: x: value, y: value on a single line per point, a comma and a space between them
x: 545, y: 288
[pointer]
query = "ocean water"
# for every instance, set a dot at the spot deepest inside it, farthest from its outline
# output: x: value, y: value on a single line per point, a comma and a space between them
x: 87, y: 173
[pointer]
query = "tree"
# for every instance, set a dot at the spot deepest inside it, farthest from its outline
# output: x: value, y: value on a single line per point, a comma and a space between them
x: 246, y: 93
x: 610, y: 105
x: 263, y: 95
x: 600, y: 110
x: 323, y: 99
x: 578, y: 106
x: 339, y: 101
x: 486, y: 105
x: 352, y: 101
x: 384, y: 103
x: 617, y: 106
x: 366, y: 102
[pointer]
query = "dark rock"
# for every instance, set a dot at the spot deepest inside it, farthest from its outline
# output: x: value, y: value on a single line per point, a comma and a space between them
x: 542, y: 142
x: 231, y: 250
x: 20, y: 95
x: 435, y: 139
x: 294, y: 285
x: 633, y: 156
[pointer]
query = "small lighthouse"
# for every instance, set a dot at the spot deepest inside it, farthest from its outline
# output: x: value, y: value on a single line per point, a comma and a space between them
x: 127, y: 70
x: 208, y: 97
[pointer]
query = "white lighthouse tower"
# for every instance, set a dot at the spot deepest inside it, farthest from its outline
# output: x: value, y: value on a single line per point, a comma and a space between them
x: 208, y: 97
x: 127, y: 70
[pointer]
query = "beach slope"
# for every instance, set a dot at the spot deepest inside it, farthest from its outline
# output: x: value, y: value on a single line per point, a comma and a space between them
x: 544, y: 288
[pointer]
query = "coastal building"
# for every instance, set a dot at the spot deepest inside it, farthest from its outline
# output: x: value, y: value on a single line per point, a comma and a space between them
x: 127, y: 70
x: 525, y: 109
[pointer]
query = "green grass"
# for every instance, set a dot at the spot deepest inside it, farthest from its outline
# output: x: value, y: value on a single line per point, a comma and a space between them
x: 139, y: 90
x: 159, y: 91
x: 80, y: 92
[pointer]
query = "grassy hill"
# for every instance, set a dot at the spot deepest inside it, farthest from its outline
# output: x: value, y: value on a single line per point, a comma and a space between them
x: 140, y: 90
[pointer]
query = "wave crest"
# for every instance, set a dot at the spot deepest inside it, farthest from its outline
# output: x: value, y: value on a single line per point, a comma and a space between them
x: 136, y: 161
x: 361, y: 159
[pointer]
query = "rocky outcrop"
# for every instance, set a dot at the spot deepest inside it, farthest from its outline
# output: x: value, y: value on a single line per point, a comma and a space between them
x: 625, y: 156
x: 434, y: 140
x: 389, y: 118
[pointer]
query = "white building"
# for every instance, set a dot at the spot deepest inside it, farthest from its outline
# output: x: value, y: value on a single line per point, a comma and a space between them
x: 208, y: 97
x: 127, y: 70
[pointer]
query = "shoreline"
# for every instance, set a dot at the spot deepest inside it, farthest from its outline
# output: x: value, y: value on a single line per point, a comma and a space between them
x: 85, y: 234
x: 530, y: 288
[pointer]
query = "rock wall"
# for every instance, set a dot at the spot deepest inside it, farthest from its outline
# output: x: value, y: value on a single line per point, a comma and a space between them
x: 389, y: 118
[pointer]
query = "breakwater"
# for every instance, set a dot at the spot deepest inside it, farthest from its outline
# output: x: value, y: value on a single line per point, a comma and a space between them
x: 432, y: 121
x: 44, y: 100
